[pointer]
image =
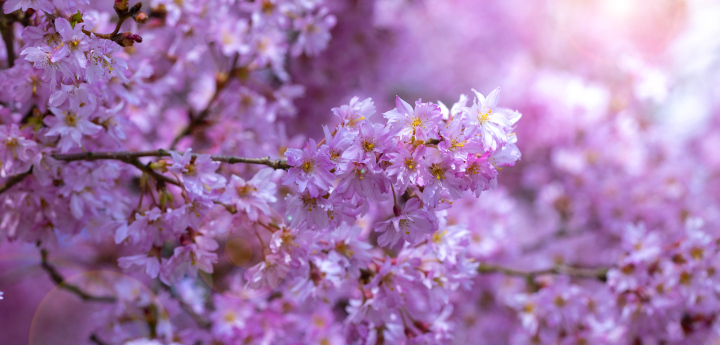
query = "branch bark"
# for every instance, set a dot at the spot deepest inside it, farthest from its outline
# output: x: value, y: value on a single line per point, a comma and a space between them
x: 589, y: 273
x: 8, y: 36
x: 127, y: 156
x: 61, y: 283
x: 13, y: 180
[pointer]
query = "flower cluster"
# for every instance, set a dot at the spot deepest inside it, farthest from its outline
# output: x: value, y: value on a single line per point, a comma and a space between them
x: 424, y: 153
x: 82, y: 91
x: 659, y: 290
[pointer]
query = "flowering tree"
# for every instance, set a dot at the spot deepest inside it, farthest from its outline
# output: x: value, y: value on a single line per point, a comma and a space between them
x: 153, y: 173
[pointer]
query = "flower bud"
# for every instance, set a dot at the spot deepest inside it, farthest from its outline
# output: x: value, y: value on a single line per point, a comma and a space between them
x: 121, y: 6
x: 141, y: 18
x: 127, y: 39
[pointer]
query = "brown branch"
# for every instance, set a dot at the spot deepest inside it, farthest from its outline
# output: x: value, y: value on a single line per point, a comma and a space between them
x: 128, y: 156
x: 61, y: 283
x: 200, y: 117
x: 199, y: 319
x: 96, y: 340
x: 8, y: 36
x: 150, y: 171
x: 13, y: 180
x: 549, y: 239
x: 123, y: 39
x: 590, y: 273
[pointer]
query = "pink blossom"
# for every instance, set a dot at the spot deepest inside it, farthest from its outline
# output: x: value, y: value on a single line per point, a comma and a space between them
x: 16, y: 151
x: 411, y: 224
x: 355, y: 112
x: 71, y: 125
x: 492, y: 121
x: 253, y: 196
x: 421, y: 123
x: 310, y: 170
x: 198, y: 172
x: 40, y: 5
x: 314, y: 32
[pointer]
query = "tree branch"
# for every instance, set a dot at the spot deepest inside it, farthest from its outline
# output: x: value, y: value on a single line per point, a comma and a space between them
x: 13, y: 180
x: 60, y: 282
x: 96, y: 340
x: 128, y: 156
x: 199, y: 320
x: 590, y: 273
x: 8, y: 36
x: 200, y: 117
x: 150, y: 171
x: 123, y: 39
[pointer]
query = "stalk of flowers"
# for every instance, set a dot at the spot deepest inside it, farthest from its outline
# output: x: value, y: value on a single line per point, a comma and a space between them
x: 317, y: 178
x: 426, y: 158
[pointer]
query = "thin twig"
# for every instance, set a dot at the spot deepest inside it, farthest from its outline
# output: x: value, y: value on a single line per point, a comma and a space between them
x: 150, y: 171
x: 203, y: 114
x: 548, y: 239
x: 199, y: 319
x: 13, y: 180
x: 96, y: 340
x: 61, y: 283
x: 122, y: 17
x: 592, y: 273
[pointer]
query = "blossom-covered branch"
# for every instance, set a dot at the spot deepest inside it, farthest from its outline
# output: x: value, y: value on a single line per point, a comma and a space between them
x: 124, y: 12
x: 279, y: 164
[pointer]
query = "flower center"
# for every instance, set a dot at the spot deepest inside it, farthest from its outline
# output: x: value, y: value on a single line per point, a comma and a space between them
x: 229, y: 316
x: 455, y: 145
x: 437, y: 171
x: 308, y: 166
x: 309, y: 202
x: 410, y: 164
x: 416, y: 122
x: 245, y: 191
x: 354, y: 120
x: 482, y: 118
x: 52, y: 39
x: 473, y: 169
x: 268, y: 7
x: 11, y: 143
x: 342, y: 247
x: 697, y: 253
x: 71, y: 119
x: 528, y: 308
x: 335, y: 155
x: 685, y: 278
x: 438, y: 235
x: 191, y: 169
x: 227, y: 38
x: 368, y: 145
x: 360, y: 172
x: 312, y: 28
